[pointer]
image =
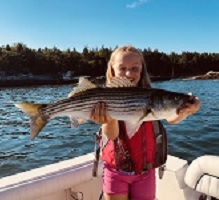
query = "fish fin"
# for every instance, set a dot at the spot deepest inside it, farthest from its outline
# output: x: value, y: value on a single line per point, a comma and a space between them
x: 83, y: 85
x: 146, y: 112
x: 132, y: 127
x: 75, y: 122
x: 119, y: 82
x: 37, y: 121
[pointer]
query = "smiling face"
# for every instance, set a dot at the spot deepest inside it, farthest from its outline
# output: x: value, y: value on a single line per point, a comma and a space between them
x: 119, y: 56
x: 129, y: 65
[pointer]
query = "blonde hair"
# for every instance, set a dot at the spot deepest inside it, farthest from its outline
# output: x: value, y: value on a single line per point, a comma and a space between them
x: 144, y: 79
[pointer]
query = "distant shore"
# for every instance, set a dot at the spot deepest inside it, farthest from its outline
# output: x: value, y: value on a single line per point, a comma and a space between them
x: 28, y: 82
x: 7, y: 82
x: 31, y: 81
x: 208, y: 76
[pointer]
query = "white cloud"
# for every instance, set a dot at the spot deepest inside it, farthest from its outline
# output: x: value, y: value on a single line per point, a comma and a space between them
x: 136, y: 3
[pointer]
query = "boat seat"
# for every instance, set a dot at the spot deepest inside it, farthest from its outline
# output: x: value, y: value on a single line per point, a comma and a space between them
x: 203, y: 175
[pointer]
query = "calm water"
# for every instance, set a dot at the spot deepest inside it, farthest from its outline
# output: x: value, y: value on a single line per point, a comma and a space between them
x: 196, y: 136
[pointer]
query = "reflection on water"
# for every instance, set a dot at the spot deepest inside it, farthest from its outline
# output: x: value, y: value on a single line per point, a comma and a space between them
x: 196, y: 136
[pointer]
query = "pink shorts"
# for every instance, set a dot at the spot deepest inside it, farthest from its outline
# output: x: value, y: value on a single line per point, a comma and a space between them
x: 138, y: 187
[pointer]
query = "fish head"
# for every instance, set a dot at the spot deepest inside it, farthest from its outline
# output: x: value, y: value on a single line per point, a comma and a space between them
x: 167, y: 104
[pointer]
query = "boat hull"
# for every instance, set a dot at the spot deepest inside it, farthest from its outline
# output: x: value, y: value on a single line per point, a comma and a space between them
x: 72, y: 179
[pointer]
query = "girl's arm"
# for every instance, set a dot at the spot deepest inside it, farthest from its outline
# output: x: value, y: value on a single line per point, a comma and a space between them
x: 110, y: 126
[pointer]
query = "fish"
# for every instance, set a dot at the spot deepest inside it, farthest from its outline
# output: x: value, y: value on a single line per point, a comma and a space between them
x: 124, y: 102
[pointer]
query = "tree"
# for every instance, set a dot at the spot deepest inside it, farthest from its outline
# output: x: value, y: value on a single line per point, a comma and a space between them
x: 19, y: 47
x: 8, y: 48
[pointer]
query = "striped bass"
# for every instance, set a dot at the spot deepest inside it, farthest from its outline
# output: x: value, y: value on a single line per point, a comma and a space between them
x: 124, y: 102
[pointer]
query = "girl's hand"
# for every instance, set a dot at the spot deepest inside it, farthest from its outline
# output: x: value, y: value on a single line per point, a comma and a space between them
x: 99, y: 114
x: 185, y: 112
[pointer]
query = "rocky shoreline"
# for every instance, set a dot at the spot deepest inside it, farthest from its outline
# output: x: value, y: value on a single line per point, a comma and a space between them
x: 27, y: 83
x: 18, y: 82
x: 208, y: 76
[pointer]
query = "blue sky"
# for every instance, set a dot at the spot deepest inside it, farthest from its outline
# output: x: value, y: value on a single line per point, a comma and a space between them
x: 166, y: 25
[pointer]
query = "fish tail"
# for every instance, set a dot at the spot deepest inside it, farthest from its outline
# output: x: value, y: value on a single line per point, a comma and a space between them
x: 37, y: 121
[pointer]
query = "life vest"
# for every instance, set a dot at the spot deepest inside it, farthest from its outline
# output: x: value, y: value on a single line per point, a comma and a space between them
x: 149, y: 144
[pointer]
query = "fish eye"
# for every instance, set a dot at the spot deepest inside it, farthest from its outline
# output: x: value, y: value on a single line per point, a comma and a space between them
x: 176, y: 98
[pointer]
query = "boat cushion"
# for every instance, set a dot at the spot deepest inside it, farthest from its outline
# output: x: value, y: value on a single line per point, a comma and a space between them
x: 203, y: 175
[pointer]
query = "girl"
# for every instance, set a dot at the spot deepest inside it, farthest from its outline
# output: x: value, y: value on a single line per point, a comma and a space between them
x: 130, y: 160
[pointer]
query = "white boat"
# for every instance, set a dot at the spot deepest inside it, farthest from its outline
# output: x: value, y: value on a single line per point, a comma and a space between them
x: 72, y: 179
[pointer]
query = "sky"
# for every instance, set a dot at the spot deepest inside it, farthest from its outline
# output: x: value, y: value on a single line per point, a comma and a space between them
x: 164, y: 25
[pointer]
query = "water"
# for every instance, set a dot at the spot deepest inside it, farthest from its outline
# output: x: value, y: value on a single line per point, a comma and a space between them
x: 197, y: 135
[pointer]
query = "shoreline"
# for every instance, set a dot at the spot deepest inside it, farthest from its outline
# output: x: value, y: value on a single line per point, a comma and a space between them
x: 211, y: 75
x: 34, y: 81
x: 38, y: 82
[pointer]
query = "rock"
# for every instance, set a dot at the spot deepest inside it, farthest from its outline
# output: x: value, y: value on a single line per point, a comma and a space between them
x: 208, y: 76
